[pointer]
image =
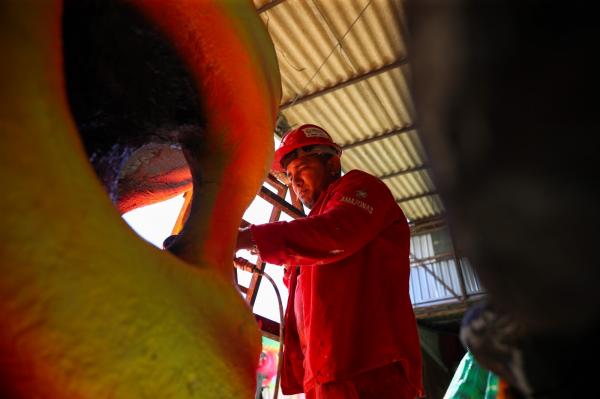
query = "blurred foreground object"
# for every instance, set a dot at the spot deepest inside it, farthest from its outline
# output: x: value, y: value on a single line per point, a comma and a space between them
x: 505, y: 94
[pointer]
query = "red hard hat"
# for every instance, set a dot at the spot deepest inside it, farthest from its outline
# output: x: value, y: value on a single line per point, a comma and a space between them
x: 300, y: 137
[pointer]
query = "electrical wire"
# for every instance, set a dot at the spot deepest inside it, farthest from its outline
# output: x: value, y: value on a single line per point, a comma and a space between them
x: 246, y: 265
x: 338, y: 44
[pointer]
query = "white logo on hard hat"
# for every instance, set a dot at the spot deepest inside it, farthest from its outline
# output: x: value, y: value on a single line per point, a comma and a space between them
x: 315, y: 132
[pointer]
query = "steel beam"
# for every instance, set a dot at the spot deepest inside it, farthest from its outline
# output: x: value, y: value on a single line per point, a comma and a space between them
x: 382, y: 136
x: 341, y: 85
x: 414, y: 197
x: 405, y: 171
x: 277, y: 201
x: 426, y: 225
x: 269, y: 5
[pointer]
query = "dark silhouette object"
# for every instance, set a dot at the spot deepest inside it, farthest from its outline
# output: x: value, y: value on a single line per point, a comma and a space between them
x: 504, y: 93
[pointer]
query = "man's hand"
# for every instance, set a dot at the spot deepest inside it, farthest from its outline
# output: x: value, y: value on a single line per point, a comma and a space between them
x: 244, y: 240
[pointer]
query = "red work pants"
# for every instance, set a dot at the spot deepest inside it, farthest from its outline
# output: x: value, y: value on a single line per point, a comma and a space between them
x: 387, y: 382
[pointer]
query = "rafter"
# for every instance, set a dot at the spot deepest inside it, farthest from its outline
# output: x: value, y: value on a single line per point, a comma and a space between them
x: 405, y: 172
x: 414, y: 197
x: 378, y: 137
x: 341, y: 85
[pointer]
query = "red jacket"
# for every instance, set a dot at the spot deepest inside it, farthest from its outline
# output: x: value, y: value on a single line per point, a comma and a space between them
x: 353, y: 250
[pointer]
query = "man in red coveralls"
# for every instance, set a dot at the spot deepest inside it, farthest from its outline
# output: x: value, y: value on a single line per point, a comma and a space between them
x: 350, y: 330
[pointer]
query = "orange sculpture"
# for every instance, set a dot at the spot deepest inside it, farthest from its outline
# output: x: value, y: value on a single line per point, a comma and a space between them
x: 87, y: 308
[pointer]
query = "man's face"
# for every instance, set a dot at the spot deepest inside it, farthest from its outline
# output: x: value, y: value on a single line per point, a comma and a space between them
x: 308, y: 177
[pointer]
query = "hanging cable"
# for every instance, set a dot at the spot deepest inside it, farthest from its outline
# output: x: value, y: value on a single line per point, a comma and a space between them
x: 338, y: 44
x: 246, y: 265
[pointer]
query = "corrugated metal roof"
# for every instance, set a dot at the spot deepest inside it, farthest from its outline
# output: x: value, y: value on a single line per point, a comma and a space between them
x: 344, y: 66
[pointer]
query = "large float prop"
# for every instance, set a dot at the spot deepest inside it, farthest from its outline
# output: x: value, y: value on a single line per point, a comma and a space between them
x: 87, y: 308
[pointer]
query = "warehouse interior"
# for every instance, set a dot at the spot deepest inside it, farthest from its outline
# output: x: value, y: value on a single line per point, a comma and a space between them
x: 479, y: 117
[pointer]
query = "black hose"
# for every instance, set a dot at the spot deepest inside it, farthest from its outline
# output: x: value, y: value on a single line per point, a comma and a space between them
x: 246, y: 265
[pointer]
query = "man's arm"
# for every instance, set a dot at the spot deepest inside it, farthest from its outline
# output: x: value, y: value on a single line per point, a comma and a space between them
x: 361, y: 207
